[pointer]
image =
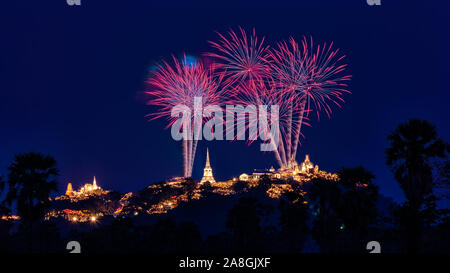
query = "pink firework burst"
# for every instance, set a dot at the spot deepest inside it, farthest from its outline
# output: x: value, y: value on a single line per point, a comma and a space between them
x: 312, y: 76
x: 243, y: 58
x: 180, y: 84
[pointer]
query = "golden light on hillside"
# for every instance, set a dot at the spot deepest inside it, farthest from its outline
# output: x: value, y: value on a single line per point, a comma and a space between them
x: 281, y: 181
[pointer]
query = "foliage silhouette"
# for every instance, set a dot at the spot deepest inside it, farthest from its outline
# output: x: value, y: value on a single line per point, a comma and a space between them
x: 244, y: 222
x: 31, y: 179
x: 412, y: 148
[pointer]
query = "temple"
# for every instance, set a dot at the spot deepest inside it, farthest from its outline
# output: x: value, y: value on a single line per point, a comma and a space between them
x: 207, y: 171
x: 307, y: 165
x: 301, y: 173
x: 85, y: 191
x: 69, y: 191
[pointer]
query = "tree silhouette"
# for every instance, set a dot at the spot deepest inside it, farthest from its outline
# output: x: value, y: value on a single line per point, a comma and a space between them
x: 189, y: 186
x: 324, y: 197
x: 240, y: 186
x: 357, y: 207
x: 344, y: 210
x: 3, y: 209
x: 206, y: 188
x: 164, y: 233
x: 293, y: 221
x: 264, y: 183
x: 442, y: 181
x: 355, y: 177
x: 188, y: 238
x: 31, y: 179
x: 243, y: 220
x: 219, y: 243
x: 413, y: 146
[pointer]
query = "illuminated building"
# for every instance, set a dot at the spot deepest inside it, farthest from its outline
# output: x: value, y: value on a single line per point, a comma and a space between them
x: 85, y: 192
x: 244, y: 177
x: 307, y: 165
x: 69, y: 191
x: 207, y: 171
x: 89, y: 188
x: 301, y: 173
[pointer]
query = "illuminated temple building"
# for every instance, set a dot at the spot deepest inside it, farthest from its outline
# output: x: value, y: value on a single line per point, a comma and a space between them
x: 85, y: 191
x: 301, y: 173
x: 74, y: 214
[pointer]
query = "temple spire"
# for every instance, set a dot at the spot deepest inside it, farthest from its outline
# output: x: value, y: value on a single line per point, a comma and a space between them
x: 207, y: 171
x: 207, y: 158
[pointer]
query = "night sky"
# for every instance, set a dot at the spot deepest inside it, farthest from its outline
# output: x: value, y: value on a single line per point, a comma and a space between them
x: 71, y: 78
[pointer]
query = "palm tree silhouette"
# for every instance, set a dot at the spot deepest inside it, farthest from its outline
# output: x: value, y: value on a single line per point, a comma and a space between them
x: 4, y: 210
x: 31, y: 179
x: 413, y: 146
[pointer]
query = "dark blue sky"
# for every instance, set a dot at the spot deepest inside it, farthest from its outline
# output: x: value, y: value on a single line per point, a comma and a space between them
x: 70, y: 79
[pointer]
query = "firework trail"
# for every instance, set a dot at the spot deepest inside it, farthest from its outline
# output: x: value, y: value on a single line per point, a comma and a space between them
x: 310, y: 77
x: 262, y: 93
x: 179, y: 84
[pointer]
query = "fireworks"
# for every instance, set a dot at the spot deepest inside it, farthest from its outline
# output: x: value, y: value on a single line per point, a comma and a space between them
x: 245, y: 62
x: 242, y: 57
x: 310, y: 77
x: 263, y: 93
x: 298, y: 78
x: 180, y: 84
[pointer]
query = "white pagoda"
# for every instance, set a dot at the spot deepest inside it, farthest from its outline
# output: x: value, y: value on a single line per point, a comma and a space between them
x: 207, y: 171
